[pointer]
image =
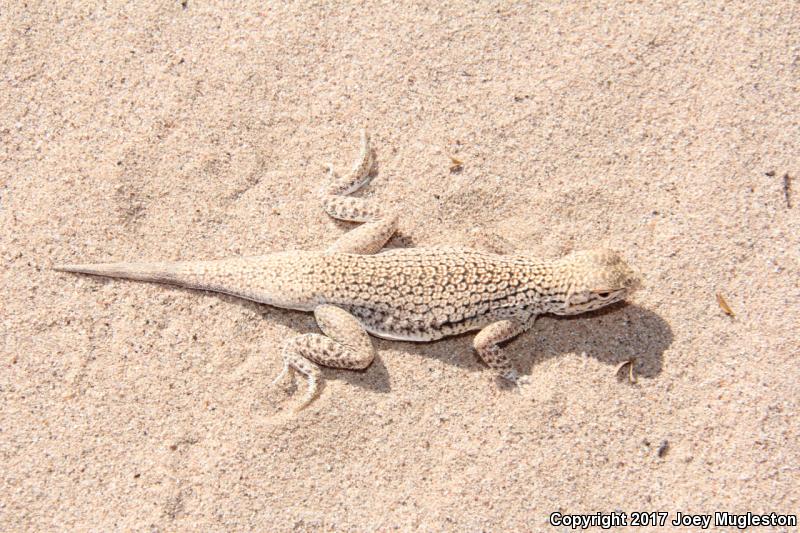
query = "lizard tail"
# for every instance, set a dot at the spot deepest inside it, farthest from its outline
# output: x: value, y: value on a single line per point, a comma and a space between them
x: 158, y: 272
x: 269, y: 279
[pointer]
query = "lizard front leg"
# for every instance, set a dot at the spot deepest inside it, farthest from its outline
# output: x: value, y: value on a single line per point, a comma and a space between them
x: 487, y: 342
x: 345, y: 344
x: 379, y: 226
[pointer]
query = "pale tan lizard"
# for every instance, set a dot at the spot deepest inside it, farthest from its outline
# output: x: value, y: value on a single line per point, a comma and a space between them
x: 417, y: 294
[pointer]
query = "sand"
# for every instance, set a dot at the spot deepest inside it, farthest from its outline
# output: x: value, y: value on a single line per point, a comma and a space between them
x: 179, y: 132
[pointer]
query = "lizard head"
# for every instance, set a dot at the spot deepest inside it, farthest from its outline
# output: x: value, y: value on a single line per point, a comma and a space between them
x: 594, y: 279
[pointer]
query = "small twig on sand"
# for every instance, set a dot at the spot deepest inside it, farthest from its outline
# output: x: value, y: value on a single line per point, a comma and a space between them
x: 787, y: 189
x: 724, y: 305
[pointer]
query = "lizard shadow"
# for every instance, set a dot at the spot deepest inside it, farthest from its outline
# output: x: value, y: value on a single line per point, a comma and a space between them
x: 618, y: 333
x: 613, y: 335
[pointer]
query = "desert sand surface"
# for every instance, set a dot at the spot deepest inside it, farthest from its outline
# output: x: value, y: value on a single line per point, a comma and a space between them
x: 185, y: 130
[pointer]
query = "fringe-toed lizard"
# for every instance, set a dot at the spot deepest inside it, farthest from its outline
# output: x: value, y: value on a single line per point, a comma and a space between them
x: 416, y: 294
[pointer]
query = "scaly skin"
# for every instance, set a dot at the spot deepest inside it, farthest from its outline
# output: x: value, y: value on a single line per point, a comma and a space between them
x: 418, y: 294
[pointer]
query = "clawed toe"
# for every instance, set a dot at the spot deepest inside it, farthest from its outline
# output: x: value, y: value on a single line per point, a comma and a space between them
x: 311, y: 393
x: 280, y: 377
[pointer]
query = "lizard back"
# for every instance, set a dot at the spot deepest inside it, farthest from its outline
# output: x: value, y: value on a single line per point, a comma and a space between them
x: 423, y: 294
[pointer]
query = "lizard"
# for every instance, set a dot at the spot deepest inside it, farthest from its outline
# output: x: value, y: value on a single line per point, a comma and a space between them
x: 407, y: 294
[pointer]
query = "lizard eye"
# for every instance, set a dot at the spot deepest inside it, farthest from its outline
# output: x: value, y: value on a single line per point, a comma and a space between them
x: 604, y: 294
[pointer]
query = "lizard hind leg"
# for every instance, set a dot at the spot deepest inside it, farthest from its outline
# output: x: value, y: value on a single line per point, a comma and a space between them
x: 379, y: 227
x: 295, y: 360
x: 358, y: 176
x: 345, y: 344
